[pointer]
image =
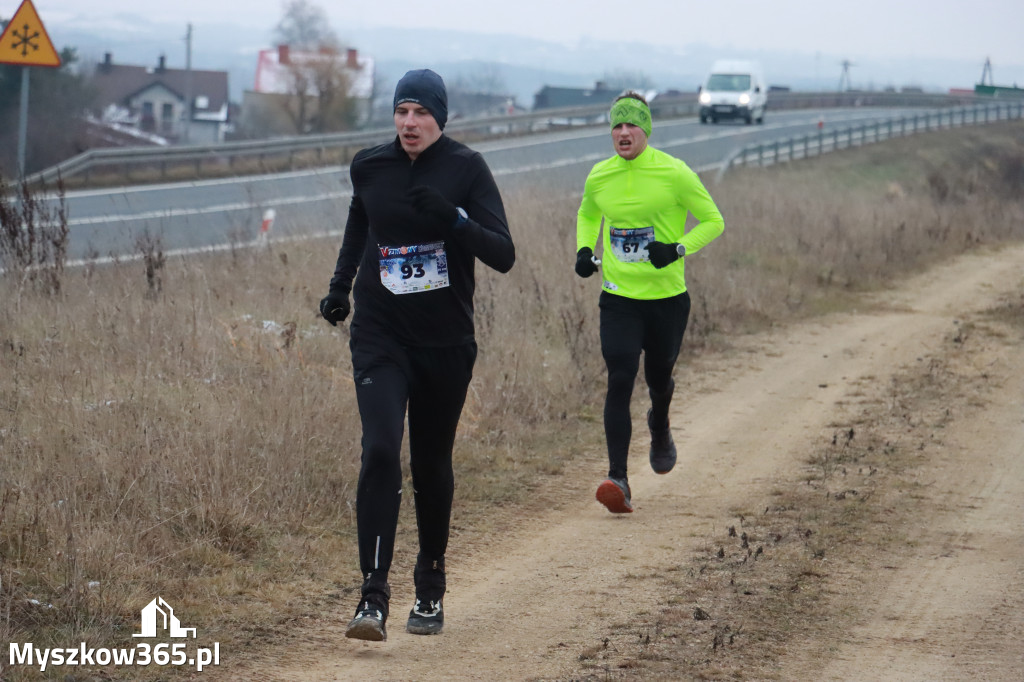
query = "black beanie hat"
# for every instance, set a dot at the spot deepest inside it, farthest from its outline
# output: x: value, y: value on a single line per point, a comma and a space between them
x: 424, y: 87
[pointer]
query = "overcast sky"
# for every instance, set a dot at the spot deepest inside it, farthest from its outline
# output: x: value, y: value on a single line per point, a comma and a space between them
x: 958, y: 29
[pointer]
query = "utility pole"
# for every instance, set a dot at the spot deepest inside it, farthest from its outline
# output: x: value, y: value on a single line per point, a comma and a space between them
x: 844, y: 78
x: 23, y: 122
x: 188, y: 84
x: 986, y: 73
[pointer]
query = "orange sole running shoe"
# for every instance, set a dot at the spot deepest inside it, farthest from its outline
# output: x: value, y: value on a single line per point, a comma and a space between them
x: 614, y: 494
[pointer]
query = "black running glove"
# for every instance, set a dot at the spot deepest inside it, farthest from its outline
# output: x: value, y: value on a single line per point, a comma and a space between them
x: 335, y: 306
x: 662, y: 254
x: 585, y: 266
x: 432, y: 205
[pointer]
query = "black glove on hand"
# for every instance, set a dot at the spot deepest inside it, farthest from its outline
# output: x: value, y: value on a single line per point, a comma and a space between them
x: 585, y: 267
x: 335, y: 306
x: 432, y: 205
x: 662, y: 254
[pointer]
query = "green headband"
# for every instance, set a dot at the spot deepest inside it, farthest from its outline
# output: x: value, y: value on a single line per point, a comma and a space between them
x: 629, y: 110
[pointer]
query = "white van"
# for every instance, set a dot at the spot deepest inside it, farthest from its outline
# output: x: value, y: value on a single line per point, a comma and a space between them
x: 733, y: 89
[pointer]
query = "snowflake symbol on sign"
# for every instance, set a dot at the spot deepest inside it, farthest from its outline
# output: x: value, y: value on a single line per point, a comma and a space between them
x: 24, y: 40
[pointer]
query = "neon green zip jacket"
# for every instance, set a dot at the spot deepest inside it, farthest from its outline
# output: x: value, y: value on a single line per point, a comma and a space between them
x: 640, y: 201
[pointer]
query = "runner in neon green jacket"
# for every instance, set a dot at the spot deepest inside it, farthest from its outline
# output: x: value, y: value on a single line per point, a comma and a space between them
x: 653, y: 190
x: 641, y: 197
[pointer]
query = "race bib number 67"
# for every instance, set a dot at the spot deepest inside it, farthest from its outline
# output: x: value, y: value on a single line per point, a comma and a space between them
x: 415, y: 268
x: 628, y: 243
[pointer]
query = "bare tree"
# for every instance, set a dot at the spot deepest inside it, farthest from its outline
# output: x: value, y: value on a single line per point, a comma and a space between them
x: 335, y: 107
x: 304, y: 26
x: 319, y: 98
x: 300, y: 95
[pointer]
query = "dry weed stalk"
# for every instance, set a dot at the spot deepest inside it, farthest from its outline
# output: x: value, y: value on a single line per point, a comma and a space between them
x: 33, y: 236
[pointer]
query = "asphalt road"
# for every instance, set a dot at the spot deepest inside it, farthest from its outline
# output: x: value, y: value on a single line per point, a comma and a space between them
x: 115, y: 222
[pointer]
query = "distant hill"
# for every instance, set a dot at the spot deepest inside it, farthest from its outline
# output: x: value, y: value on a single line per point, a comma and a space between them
x: 515, y: 65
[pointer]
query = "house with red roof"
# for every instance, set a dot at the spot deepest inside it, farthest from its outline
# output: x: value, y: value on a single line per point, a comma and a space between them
x: 292, y: 85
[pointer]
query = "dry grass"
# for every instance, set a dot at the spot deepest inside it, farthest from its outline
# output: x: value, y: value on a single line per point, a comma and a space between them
x: 789, y: 569
x: 192, y: 432
x: 814, y: 231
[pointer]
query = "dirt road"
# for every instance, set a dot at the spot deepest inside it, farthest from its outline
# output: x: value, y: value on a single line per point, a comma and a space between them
x: 947, y: 604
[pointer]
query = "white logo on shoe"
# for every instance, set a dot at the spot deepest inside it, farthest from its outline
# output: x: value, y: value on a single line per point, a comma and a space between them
x: 434, y: 608
x: 376, y: 613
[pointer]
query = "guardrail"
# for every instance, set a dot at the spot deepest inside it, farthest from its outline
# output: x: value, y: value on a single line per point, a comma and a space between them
x: 140, y: 164
x: 147, y: 163
x: 821, y: 141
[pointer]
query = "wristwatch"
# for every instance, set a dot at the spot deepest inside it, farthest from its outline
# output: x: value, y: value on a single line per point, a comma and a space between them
x: 680, y: 250
x: 463, y: 216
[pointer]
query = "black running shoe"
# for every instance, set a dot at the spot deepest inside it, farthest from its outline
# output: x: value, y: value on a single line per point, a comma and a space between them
x: 369, y: 620
x: 663, y: 449
x: 426, y: 618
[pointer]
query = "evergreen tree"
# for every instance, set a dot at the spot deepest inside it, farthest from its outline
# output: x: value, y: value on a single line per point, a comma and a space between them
x: 58, y: 99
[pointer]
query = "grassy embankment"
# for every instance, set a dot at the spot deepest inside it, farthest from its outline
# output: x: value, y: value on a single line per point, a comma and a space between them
x: 194, y: 435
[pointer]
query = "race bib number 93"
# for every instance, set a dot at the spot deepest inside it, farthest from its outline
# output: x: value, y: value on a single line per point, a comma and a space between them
x: 412, y: 269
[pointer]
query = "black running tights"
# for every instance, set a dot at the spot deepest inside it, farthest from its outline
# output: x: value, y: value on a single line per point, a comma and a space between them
x: 629, y: 326
x: 430, y: 383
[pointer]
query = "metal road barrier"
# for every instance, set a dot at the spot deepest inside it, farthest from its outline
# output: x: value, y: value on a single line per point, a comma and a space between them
x: 143, y: 164
x: 822, y: 141
x: 255, y: 156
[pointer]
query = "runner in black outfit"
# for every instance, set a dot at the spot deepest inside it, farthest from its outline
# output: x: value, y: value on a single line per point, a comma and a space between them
x: 424, y: 208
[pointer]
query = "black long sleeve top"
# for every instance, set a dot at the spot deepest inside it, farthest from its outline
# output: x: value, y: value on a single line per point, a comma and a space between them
x: 381, y: 217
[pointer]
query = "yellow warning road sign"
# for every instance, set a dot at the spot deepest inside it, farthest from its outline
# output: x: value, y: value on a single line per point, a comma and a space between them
x: 25, y: 41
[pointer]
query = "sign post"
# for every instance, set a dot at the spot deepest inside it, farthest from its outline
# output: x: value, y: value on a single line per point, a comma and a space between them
x: 25, y: 43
